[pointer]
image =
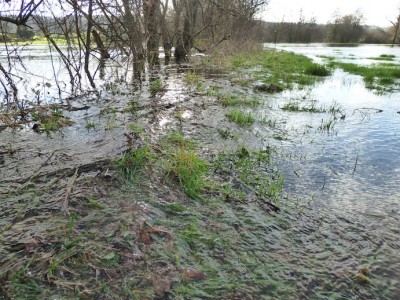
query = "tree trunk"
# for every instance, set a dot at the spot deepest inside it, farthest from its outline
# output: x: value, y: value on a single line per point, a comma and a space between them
x: 185, y: 39
x: 165, y: 34
x: 135, y: 40
x: 151, y: 17
x: 396, y: 30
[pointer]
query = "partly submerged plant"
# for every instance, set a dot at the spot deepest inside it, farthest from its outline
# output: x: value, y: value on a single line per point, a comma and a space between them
x: 240, y: 117
x: 317, y: 70
x: 156, y: 87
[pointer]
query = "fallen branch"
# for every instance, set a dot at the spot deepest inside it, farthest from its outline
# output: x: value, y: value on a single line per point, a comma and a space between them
x: 69, y: 190
x: 377, y: 110
x: 247, y: 189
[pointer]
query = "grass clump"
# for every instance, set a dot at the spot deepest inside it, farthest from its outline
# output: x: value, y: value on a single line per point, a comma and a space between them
x: 136, y: 130
x: 317, y: 70
x: 327, y: 125
x: 384, y: 57
x: 176, y: 139
x: 192, y: 79
x: 295, y: 106
x: 133, y: 107
x: 156, y: 87
x: 240, y: 117
x: 182, y: 163
x: 90, y: 125
x: 234, y: 100
x: 189, y: 169
x: 51, y: 119
x: 133, y: 161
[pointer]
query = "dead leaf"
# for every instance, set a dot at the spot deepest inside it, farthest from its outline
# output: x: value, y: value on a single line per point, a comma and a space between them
x: 161, y: 284
x: 145, y: 235
x: 192, y: 275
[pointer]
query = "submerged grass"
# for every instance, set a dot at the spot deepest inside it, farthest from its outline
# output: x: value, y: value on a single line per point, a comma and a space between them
x: 236, y: 100
x: 280, y: 67
x: 297, y: 107
x: 384, y: 57
x: 379, y: 77
x: 147, y: 239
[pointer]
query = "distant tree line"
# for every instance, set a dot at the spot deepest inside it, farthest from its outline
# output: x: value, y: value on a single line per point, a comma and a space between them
x: 342, y: 29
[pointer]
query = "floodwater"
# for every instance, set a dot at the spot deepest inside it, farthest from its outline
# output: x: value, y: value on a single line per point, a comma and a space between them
x: 350, y: 176
x: 341, y: 201
x: 359, y: 54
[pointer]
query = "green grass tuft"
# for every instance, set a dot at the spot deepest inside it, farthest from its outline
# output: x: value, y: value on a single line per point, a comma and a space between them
x: 189, y: 169
x: 317, y: 70
x: 240, y: 117
x: 280, y: 67
x: 156, y: 87
x: 133, y: 162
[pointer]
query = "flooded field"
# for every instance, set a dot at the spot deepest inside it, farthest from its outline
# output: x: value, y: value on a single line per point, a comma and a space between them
x: 330, y: 229
x: 348, y: 175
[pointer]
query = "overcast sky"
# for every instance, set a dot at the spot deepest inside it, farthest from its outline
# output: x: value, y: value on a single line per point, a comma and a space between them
x: 376, y: 12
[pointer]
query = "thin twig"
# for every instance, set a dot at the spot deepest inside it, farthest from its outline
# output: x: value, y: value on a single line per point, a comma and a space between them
x: 355, y: 165
x: 69, y: 190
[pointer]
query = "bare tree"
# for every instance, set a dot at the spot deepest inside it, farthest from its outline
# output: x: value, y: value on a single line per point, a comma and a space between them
x: 151, y: 13
x: 125, y: 32
x: 346, y: 29
x: 20, y: 12
x: 396, y: 30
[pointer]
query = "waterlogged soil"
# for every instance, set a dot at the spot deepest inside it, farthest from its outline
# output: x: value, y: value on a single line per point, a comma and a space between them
x: 72, y: 226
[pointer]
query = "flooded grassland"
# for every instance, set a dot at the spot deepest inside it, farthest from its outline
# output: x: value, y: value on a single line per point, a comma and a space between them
x: 273, y: 178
